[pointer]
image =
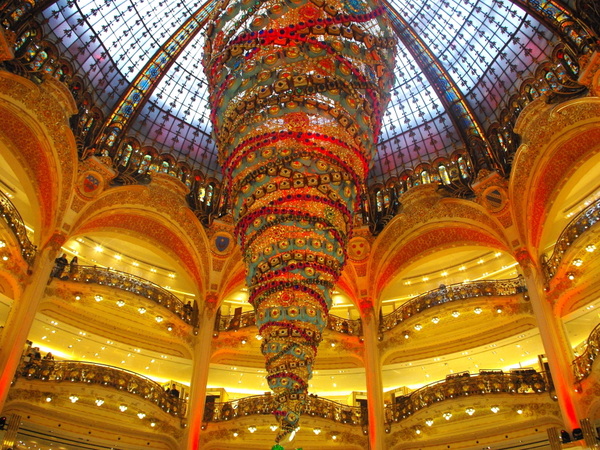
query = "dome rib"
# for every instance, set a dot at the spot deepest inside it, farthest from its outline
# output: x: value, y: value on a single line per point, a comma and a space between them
x: 141, y: 89
x: 454, y: 102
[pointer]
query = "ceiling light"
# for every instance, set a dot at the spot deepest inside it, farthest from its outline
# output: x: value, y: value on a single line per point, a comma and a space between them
x: 418, y: 327
x: 120, y: 303
x: 169, y: 328
x: 418, y: 430
x: 577, y: 262
x: 152, y: 424
x: 98, y: 298
x: 141, y: 415
x: 73, y: 398
x: 5, y: 258
x: 455, y: 314
x: 258, y: 337
x: 406, y: 335
x: 499, y: 310
x: 135, y: 264
x: 274, y: 427
x: 317, y: 431
x: 159, y: 319
x: 435, y: 319
x: 477, y: 310
x: 495, y: 409
x: 444, y: 274
x: 118, y: 257
x: 235, y: 434
x: 49, y: 399
x: 571, y: 276
x: 470, y: 411
x: 251, y: 428
x: 2, y: 244
x: 171, y: 275
x: 429, y: 422
x: 447, y: 415
x: 243, y: 341
x: 123, y: 408
x: 141, y: 310
x: 78, y: 297
x: 99, y: 402
x: 98, y: 248
x: 519, y: 411
x: 590, y: 248
x: 498, y: 254
x: 462, y: 268
x: 334, y: 437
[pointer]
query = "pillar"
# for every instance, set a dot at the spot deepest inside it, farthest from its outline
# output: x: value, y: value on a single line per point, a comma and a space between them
x: 22, y: 313
x: 373, y: 378
x: 556, y: 345
x: 202, y: 354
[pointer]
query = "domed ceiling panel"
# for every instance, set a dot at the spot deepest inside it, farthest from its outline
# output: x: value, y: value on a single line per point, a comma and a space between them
x: 484, y: 48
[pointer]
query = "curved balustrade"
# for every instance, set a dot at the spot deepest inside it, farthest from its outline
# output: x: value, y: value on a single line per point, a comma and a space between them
x: 446, y: 294
x: 580, y: 223
x: 16, y: 224
x: 248, y: 319
x: 266, y: 404
x: 522, y: 381
x: 582, y: 366
x: 90, y: 373
x: 136, y: 285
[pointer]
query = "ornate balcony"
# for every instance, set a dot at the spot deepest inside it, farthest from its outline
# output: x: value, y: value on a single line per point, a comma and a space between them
x: 138, y: 286
x: 265, y: 404
x: 447, y: 294
x: 582, y: 365
x: 518, y: 382
x: 579, y: 225
x: 108, y: 376
x: 17, y: 226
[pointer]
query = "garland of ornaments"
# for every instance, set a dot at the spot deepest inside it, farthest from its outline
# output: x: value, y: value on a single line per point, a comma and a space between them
x: 297, y: 93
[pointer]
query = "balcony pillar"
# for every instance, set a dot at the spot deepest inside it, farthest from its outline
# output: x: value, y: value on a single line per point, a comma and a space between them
x: 202, y: 353
x: 22, y: 313
x: 373, y: 378
x: 556, y: 345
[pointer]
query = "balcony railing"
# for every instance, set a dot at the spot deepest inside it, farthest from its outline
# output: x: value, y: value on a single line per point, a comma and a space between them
x: 136, y: 285
x: 582, y: 366
x: 248, y: 319
x: 580, y: 223
x: 454, y: 292
x: 518, y: 382
x: 16, y: 224
x: 266, y: 404
x: 108, y: 376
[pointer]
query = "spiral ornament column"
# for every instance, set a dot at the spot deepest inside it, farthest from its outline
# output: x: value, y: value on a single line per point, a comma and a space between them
x: 297, y: 91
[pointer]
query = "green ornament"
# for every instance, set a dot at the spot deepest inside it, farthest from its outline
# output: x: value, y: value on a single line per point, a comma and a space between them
x: 277, y: 447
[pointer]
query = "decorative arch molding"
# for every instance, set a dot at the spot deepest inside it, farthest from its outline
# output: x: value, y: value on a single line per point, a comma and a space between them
x: 38, y: 138
x: 428, y: 239
x: 557, y: 141
x: 153, y: 204
x: 149, y: 226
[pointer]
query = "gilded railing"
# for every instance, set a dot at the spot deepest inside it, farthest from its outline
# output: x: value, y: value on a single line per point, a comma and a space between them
x: 521, y: 381
x: 248, y: 319
x: 454, y: 292
x: 136, y: 285
x: 580, y: 223
x: 265, y: 404
x: 108, y: 376
x: 582, y: 365
x: 16, y: 224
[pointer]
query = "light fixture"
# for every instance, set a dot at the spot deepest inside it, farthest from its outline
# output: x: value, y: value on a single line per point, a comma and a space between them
x: 243, y: 341
x: 251, y: 428
x: 417, y: 430
x: 48, y: 398
x: 120, y: 303
x: 141, y: 415
x: 317, y: 431
x: 99, y: 402
x: 470, y: 411
x: 455, y: 314
x: 435, y: 319
x: 334, y: 436
x: 235, y: 434
x: 495, y: 409
x: 418, y: 327
x: 577, y: 262
x: 519, y: 411
x: 571, y: 276
x: 152, y: 424
x: 428, y: 422
x: 5, y: 258
x: 477, y: 310
x: 590, y: 248
x: 123, y: 408
x: 2, y: 244
x: 499, y: 310
x: 141, y: 310
x: 447, y: 415
x: 170, y: 328
x: 171, y: 275
x: 159, y: 319
x: 135, y: 264
x: 78, y: 297
x: 406, y: 335
x: 98, y: 248
x: 273, y: 427
x: 73, y: 398
x: 258, y: 337
x: 98, y: 298
x: 118, y: 257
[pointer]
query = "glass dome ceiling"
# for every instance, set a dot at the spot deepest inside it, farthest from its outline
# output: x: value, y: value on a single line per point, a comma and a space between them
x: 480, y: 50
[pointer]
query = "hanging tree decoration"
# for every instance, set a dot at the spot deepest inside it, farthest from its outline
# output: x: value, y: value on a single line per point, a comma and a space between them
x: 297, y: 93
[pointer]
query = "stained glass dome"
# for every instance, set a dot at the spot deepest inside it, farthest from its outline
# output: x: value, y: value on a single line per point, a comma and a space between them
x: 458, y: 64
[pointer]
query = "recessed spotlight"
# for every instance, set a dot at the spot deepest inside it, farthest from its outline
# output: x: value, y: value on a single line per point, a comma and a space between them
x: 98, y: 298
x: 123, y: 408
x: 99, y: 402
